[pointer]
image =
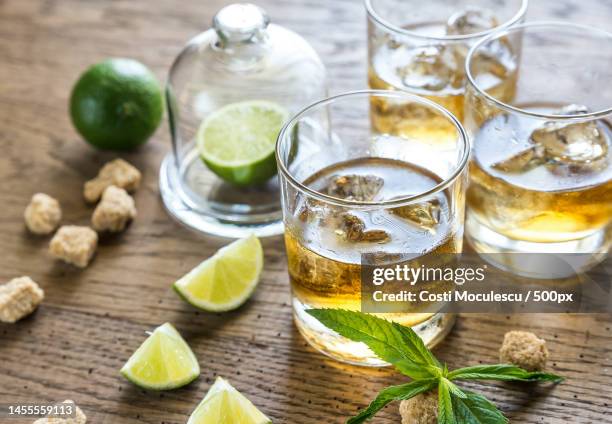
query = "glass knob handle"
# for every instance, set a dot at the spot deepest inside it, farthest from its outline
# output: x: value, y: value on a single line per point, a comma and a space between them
x: 239, y: 22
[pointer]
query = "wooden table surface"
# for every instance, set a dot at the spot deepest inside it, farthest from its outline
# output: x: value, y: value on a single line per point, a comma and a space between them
x: 92, y: 320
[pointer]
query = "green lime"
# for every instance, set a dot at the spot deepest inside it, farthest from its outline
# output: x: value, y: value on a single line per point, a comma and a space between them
x: 116, y: 104
x: 227, y: 279
x: 237, y: 141
x: 223, y: 404
x: 163, y: 361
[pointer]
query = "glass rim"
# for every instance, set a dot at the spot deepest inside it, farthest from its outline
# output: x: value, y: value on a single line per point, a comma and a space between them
x: 373, y: 14
x: 459, y: 168
x: 513, y: 109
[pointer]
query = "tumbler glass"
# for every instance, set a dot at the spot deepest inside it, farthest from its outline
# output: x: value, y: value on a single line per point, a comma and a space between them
x: 541, y: 173
x: 420, y: 47
x: 349, y: 190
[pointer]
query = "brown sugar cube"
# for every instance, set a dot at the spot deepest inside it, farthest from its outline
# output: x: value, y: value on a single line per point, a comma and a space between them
x: 524, y: 349
x: 43, y: 214
x: 117, y: 172
x: 421, y: 409
x: 79, y: 417
x: 114, y: 211
x: 18, y: 298
x: 74, y: 245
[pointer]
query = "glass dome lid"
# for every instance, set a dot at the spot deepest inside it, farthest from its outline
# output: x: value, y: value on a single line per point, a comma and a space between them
x: 228, y: 93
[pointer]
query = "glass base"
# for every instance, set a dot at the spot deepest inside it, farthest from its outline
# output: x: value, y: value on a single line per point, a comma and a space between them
x: 211, y: 212
x: 328, y: 342
x: 590, y: 250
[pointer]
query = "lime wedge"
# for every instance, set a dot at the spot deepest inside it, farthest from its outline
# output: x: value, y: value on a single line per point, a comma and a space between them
x: 163, y: 361
x: 237, y: 141
x: 225, y: 405
x: 227, y: 279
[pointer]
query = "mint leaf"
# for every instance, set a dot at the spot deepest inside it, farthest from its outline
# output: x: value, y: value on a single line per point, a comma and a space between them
x: 475, y: 409
x: 417, y: 371
x: 445, y: 404
x: 501, y: 372
x: 453, y: 389
x: 402, y: 392
x: 391, y: 342
x: 416, y: 344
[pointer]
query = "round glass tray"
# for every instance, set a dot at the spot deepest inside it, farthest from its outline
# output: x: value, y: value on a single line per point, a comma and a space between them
x: 228, y: 211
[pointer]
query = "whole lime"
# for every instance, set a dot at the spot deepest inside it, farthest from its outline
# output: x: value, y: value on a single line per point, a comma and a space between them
x: 116, y: 104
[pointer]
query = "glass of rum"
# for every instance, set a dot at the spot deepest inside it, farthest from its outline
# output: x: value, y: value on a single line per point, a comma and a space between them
x: 541, y: 169
x: 420, y: 47
x: 350, y: 191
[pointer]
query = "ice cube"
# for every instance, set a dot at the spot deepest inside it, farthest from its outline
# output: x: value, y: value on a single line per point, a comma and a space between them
x: 362, y: 188
x: 425, y: 214
x: 375, y: 236
x: 571, y: 143
x: 495, y: 59
x: 522, y: 161
x: 309, y: 209
x: 352, y: 228
x: 496, y: 56
x: 431, y: 68
x: 470, y: 21
x: 581, y: 145
x: 306, y: 214
x: 574, y: 143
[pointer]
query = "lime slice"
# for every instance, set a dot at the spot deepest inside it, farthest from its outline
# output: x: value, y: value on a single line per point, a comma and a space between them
x: 163, y: 361
x: 237, y: 141
x: 227, y: 279
x: 225, y: 405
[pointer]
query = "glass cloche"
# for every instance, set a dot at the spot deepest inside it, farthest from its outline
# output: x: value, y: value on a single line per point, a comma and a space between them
x: 228, y: 94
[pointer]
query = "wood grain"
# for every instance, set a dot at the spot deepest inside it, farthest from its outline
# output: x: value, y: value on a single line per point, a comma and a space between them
x: 92, y: 320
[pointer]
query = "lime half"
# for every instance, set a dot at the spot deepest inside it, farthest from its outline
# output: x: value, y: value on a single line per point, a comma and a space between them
x: 227, y: 279
x: 225, y: 405
x: 163, y: 361
x: 237, y: 141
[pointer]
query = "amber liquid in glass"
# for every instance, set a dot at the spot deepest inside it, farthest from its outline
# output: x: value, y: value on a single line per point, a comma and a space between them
x: 324, y: 258
x: 548, y: 202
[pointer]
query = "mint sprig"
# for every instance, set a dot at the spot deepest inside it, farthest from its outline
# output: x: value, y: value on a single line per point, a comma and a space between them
x: 404, y: 349
x: 476, y: 409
